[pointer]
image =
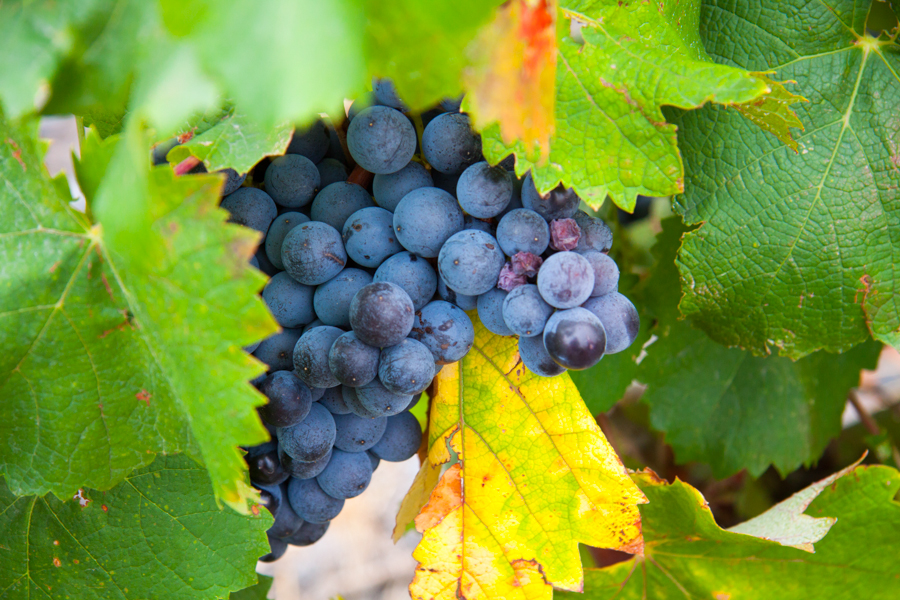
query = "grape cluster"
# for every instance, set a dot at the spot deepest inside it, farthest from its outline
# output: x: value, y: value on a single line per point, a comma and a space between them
x: 372, y: 293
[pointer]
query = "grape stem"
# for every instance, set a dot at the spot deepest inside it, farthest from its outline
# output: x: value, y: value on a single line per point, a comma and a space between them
x: 186, y: 165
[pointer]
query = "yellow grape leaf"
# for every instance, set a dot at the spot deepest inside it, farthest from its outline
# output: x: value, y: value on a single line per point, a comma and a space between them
x: 535, y: 477
x: 772, y: 112
x: 513, y: 73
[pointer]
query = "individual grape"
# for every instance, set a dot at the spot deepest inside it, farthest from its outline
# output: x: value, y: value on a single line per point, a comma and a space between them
x: 333, y: 400
x: 279, y: 228
x: 535, y: 356
x: 380, y: 401
x: 233, y: 180
x: 317, y: 393
x: 360, y: 104
x: 353, y: 362
x: 381, y: 139
x: 523, y: 230
x: 375, y: 460
x: 292, y: 180
x: 564, y: 234
x: 369, y: 236
x: 490, y: 311
x: 311, y: 356
x: 452, y: 105
x: 347, y: 475
x: 336, y: 202
x: 461, y: 300
x: 413, y: 274
x: 311, y: 438
x: 425, y: 219
x: 356, y: 434
x: 640, y: 212
x: 390, y: 188
x: 381, y: 314
x: 575, y: 338
x: 289, y: 399
x: 308, y: 534
x: 332, y: 299
x: 566, y: 280
x: 277, y: 548
x: 516, y: 201
x: 401, y: 438
x: 303, y: 470
x: 406, y: 368
x: 290, y: 302
x: 484, y: 191
x: 619, y: 317
x: 470, y: 262
x: 558, y: 203
x: 277, y: 350
x: 286, y: 523
x: 311, y: 503
x: 525, y: 312
x: 446, y: 182
x: 158, y: 154
x: 386, y: 94
x: 251, y: 208
x: 269, y: 446
x: 263, y: 262
x: 313, y: 253
x: 265, y: 469
x: 606, y: 272
x: 331, y: 171
x: 449, y: 144
x: 351, y: 399
x: 470, y: 222
x: 314, y: 324
x: 310, y: 141
x: 270, y: 496
x: 595, y: 234
x: 445, y: 329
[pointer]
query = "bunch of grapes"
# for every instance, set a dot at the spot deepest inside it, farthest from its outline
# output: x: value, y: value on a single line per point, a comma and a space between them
x: 372, y: 293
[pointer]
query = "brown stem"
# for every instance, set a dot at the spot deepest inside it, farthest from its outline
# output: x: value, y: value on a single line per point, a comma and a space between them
x: 361, y: 177
x: 864, y: 415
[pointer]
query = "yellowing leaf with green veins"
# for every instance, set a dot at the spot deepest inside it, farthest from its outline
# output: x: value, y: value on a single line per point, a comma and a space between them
x: 618, y: 64
x: 121, y: 334
x: 535, y: 477
x: 511, y: 80
x: 687, y: 555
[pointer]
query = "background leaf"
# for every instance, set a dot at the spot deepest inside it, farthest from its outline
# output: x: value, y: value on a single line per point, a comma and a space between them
x: 797, y: 251
x: 687, y: 555
x: 100, y: 546
x: 727, y: 407
x: 535, y: 476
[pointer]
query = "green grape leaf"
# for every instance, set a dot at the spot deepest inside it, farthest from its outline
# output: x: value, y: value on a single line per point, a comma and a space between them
x: 726, y: 407
x: 260, y: 591
x: 121, y: 338
x: 629, y: 59
x: 233, y: 140
x: 279, y: 61
x: 98, y: 546
x: 797, y: 251
x: 686, y: 555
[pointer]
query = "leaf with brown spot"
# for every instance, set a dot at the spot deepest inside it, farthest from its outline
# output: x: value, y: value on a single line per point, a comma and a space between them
x: 535, y: 477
